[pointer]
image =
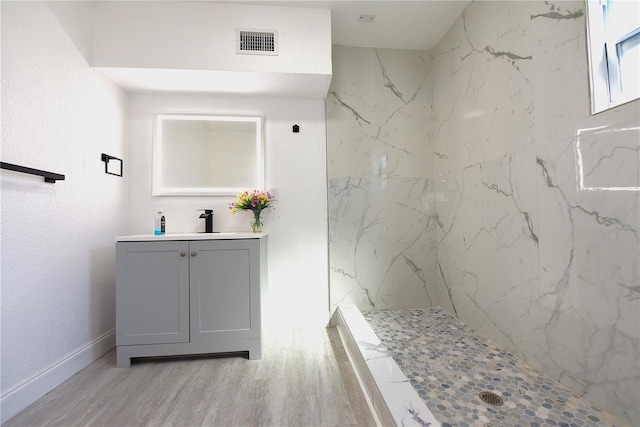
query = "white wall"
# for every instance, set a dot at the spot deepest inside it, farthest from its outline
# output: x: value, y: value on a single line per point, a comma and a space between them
x: 295, y: 172
x: 202, y: 36
x: 57, y: 239
x: 57, y: 289
x: 191, y: 46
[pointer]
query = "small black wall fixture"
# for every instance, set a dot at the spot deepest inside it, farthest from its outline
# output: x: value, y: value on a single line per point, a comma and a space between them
x: 105, y: 158
x: 48, y: 176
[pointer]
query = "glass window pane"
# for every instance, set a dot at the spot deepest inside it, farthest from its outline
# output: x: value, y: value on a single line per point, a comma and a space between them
x: 622, y: 17
x: 629, y: 59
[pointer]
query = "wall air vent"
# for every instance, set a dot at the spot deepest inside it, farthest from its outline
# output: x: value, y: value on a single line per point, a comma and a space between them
x: 257, y: 42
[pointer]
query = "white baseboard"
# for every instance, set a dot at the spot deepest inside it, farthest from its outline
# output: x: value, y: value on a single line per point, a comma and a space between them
x: 23, y: 395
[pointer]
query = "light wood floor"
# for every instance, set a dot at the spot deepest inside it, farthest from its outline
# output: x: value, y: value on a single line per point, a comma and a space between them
x: 303, y: 379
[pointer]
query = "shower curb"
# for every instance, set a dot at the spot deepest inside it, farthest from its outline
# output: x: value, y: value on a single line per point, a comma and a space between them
x: 390, y: 395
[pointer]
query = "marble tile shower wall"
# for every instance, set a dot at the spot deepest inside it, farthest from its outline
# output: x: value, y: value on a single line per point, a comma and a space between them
x: 382, y: 223
x: 538, y: 202
x: 530, y: 230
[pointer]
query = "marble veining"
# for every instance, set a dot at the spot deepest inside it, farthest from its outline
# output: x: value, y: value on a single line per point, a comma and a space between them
x: 382, y: 218
x: 363, y: 214
x: 349, y: 108
x: 449, y: 364
x: 473, y: 177
x: 393, y: 397
x: 538, y: 203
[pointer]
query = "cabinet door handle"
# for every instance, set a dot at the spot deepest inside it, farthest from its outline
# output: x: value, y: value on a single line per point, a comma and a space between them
x: 183, y: 254
x: 194, y: 253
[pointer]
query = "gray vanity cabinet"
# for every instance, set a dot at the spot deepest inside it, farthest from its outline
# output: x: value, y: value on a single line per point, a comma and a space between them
x: 188, y: 297
x: 222, y: 273
x: 152, y: 292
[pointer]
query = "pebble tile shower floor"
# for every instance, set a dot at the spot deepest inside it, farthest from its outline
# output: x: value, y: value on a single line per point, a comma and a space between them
x: 449, y: 365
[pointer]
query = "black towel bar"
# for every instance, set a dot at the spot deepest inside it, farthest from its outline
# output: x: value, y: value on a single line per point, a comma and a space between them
x: 48, y: 176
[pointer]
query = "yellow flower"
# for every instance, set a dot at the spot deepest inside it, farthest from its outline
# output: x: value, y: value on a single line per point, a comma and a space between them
x: 256, y: 200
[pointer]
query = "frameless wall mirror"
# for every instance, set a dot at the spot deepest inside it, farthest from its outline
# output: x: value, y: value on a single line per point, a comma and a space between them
x: 613, y: 36
x: 207, y: 155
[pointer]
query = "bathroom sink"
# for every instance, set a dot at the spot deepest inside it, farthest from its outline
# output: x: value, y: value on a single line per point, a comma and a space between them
x: 192, y: 236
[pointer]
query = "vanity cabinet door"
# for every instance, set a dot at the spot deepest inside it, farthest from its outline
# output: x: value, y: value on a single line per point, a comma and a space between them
x: 225, y: 289
x: 152, y: 292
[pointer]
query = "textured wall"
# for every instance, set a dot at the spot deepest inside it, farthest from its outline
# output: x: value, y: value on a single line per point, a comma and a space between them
x: 295, y: 171
x: 382, y: 224
x: 202, y: 36
x: 538, y: 201
x: 58, y: 258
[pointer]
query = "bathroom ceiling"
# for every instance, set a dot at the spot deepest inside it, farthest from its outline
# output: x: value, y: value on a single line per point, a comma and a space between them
x: 417, y: 24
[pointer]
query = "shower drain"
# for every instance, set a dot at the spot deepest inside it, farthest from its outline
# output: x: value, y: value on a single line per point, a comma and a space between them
x: 491, y: 398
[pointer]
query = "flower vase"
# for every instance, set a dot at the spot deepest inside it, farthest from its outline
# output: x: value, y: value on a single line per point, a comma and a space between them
x: 256, y: 224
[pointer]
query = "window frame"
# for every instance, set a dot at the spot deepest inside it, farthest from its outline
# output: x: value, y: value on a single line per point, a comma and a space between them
x: 603, y: 44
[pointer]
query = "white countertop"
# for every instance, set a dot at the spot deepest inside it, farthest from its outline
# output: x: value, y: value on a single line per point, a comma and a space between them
x: 190, y: 236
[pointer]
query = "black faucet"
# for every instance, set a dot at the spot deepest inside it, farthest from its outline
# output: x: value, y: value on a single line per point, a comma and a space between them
x: 208, y: 220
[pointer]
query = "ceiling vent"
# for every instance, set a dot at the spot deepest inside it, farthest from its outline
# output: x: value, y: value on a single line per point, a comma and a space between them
x: 257, y: 42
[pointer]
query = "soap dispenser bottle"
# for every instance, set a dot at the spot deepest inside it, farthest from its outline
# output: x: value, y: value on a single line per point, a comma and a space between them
x: 160, y: 223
